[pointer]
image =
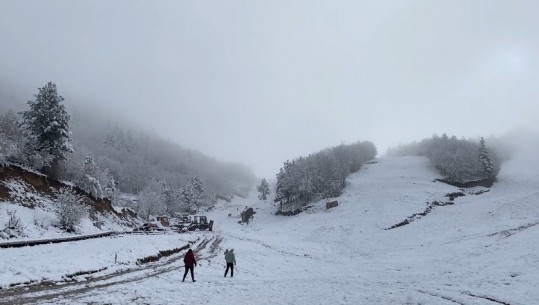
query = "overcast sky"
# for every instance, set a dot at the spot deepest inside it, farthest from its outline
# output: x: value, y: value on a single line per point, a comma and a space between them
x: 259, y: 82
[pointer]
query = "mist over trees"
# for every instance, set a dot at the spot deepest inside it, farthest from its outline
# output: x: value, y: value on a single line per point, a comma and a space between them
x: 458, y: 160
x: 107, y: 159
x: 263, y: 189
x: 320, y: 175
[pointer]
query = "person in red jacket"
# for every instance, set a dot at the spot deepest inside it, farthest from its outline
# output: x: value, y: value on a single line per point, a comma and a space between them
x: 189, y: 261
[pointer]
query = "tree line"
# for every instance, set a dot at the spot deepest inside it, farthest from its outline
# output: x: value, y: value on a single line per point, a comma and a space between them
x: 320, y: 175
x: 458, y: 160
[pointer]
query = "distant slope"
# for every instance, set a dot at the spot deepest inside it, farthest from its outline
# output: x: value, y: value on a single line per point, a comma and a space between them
x: 482, y: 247
x: 135, y: 156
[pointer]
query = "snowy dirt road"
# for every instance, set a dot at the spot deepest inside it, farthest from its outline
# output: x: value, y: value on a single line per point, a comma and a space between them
x: 46, y: 291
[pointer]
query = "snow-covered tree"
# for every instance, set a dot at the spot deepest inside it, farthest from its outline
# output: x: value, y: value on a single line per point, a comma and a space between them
x: 70, y: 210
x: 488, y: 166
x: 263, y: 189
x: 47, y: 123
x: 170, y: 200
x: 151, y: 200
x: 320, y: 175
x: 11, y: 136
x: 82, y: 169
x: 187, y: 197
x: 110, y: 191
x: 18, y: 146
x: 88, y: 181
x: 458, y: 160
x: 192, y: 194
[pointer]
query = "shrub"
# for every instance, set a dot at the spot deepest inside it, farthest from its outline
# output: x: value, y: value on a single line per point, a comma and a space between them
x: 70, y: 210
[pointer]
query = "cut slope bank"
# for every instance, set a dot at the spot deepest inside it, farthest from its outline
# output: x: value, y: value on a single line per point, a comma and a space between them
x: 32, y: 196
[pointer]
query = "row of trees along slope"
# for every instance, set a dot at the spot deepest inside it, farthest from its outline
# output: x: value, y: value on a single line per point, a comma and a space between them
x: 460, y: 161
x: 106, y: 160
x: 320, y: 175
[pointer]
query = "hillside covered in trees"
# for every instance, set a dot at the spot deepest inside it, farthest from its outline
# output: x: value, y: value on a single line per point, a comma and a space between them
x: 320, y: 175
x: 458, y: 160
x: 108, y: 160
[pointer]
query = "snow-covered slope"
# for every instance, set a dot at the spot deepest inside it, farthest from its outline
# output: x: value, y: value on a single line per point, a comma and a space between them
x: 480, y: 250
x: 30, y: 197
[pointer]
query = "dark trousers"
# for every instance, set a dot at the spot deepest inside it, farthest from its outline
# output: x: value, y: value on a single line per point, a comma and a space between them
x: 231, y: 266
x: 187, y: 268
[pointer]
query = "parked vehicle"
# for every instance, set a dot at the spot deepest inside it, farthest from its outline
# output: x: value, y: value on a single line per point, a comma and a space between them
x: 201, y: 223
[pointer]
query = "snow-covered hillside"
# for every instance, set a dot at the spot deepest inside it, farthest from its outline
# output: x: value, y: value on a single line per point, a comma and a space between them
x: 31, y: 199
x: 480, y: 250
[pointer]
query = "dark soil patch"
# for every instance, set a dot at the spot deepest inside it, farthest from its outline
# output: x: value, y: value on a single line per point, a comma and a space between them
x: 417, y: 216
x: 84, y: 273
x: 488, y: 182
x: 289, y: 213
x: 161, y: 254
x: 22, y: 283
x: 49, y: 187
x: 19, y: 244
x: 454, y: 195
x: 481, y: 192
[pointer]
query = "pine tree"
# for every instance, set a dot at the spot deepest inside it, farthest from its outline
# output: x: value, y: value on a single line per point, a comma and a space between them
x: 263, y: 189
x: 151, y: 200
x: 110, y: 190
x: 488, y: 166
x: 47, y: 122
x: 169, y: 199
x: 192, y: 194
x: 187, y: 197
x: 197, y: 185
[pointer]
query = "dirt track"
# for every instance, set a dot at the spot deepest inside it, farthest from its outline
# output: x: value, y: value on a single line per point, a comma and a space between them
x: 47, y: 291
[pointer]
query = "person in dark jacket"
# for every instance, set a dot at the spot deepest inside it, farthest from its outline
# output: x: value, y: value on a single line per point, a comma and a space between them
x: 189, y: 261
x: 230, y: 259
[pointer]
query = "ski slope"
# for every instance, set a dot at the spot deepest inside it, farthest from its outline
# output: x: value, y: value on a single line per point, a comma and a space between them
x: 481, y: 250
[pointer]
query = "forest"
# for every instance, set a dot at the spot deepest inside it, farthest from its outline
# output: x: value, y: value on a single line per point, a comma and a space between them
x: 320, y: 175
x: 458, y: 160
x: 114, y: 160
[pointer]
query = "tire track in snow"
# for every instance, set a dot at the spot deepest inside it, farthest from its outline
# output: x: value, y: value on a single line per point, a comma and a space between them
x: 486, y: 298
x: 434, y: 294
x: 50, y: 291
x: 465, y: 293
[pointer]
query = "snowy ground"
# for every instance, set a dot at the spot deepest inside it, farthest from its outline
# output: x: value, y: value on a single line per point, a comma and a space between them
x: 481, y: 250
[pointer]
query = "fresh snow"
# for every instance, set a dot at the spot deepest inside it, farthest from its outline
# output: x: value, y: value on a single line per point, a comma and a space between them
x: 52, y: 262
x: 481, y: 250
x: 41, y: 221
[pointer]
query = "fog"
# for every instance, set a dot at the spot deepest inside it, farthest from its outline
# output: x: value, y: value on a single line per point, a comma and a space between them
x: 259, y: 82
